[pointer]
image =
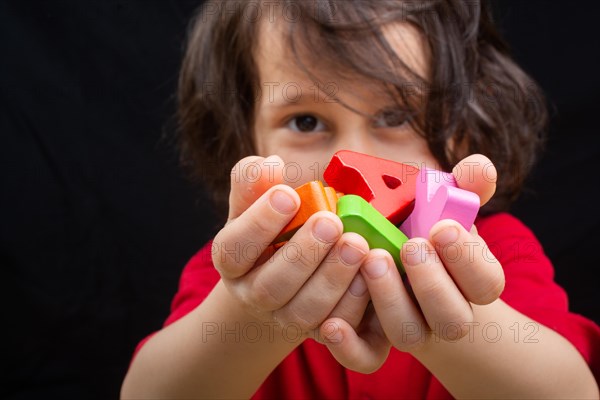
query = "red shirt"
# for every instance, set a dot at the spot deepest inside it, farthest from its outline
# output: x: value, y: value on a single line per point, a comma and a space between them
x: 311, y: 372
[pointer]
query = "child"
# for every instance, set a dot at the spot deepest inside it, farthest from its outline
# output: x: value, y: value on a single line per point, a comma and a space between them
x: 425, y: 83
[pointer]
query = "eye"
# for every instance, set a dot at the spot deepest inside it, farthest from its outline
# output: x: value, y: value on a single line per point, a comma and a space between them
x: 390, y: 118
x: 306, y: 123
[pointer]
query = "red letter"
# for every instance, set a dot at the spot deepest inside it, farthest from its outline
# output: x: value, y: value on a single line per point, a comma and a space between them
x: 388, y: 185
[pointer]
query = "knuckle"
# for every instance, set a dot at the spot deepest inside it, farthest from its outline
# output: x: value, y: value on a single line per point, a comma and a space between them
x: 490, y: 291
x: 412, y: 342
x: 455, y: 327
x: 302, y: 256
x: 304, y: 321
x: 456, y: 258
x: 332, y: 284
x: 349, y: 313
x: 306, y: 258
x: 434, y: 289
x: 261, y: 227
x: 232, y: 254
x: 223, y: 260
x: 262, y: 297
x: 388, y: 304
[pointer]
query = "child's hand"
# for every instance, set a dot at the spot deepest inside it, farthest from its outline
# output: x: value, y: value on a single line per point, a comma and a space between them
x: 313, y: 276
x: 447, y: 272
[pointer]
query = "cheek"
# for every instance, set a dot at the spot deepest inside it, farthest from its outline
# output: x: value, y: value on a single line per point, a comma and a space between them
x: 422, y: 154
x: 414, y: 152
x: 263, y: 138
x: 426, y: 159
x: 260, y: 144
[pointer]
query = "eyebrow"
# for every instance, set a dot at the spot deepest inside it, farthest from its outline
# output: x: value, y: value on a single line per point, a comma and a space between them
x: 286, y: 103
x: 294, y: 94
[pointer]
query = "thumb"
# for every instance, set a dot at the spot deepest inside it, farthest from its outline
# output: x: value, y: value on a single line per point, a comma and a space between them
x: 251, y: 177
x: 476, y: 173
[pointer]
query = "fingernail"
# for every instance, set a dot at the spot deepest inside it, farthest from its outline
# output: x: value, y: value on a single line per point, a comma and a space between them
x: 325, y: 230
x: 413, y: 254
x: 351, y: 255
x: 376, y: 268
x: 446, y: 236
x: 358, y: 287
x: 282, y: 202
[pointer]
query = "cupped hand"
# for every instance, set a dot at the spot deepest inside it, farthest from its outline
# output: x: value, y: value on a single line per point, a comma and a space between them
x: 445, y: 273
x: 312, y: 277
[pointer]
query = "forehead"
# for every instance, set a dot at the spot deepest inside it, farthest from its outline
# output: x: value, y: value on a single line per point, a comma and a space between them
x: 277, y: 61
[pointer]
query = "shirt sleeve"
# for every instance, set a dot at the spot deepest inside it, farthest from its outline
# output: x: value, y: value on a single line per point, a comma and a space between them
x: 197, y: 280
x: 530, y: 287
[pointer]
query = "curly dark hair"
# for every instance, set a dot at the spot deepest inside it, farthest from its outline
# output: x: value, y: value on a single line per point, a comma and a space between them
x: 477, y: 99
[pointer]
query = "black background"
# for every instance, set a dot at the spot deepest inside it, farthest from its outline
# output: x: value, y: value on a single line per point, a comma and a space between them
x: 97, y: 220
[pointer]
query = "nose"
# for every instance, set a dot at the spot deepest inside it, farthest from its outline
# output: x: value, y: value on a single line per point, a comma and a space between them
x: 356, y: 137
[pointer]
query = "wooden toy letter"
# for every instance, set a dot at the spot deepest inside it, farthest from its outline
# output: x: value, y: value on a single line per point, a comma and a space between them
x: 388, y: 185
x: 437, y: 198
x: 314, y: 197
x: 361, y: 217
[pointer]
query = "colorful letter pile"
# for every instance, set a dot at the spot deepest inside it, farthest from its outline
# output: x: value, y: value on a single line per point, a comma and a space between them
x: 374, y: 196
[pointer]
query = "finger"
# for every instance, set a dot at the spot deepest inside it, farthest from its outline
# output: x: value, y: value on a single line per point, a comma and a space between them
x: 251, y: 177
x: 316, y: 300
x: 445, y: 309
x: 239, y: 244
x: 362, y: 354
x: 477, y: 174
x: 274, y: 283
x: 399, y: 316
x: 351, y: 307
x: 469, y: 261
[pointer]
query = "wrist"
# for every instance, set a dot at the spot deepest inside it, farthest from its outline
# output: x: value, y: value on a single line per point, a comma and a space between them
x: 235, y: 321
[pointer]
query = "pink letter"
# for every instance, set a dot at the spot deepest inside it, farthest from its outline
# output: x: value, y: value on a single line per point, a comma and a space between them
x: 438, y: 197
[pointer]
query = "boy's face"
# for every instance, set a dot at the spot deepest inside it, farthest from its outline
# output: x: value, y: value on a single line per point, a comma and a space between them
x: 305, y: 126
